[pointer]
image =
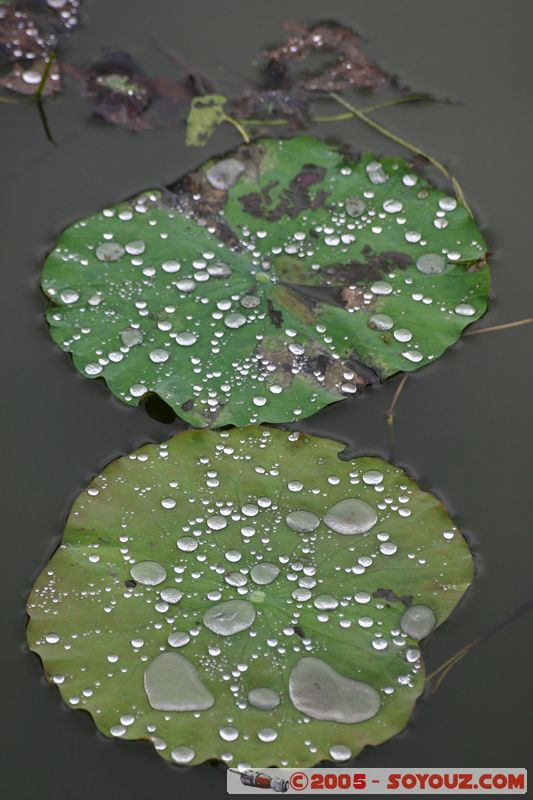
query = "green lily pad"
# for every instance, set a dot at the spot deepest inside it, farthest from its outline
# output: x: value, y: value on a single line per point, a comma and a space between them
x: 245, y: 595
x: 267, y: 284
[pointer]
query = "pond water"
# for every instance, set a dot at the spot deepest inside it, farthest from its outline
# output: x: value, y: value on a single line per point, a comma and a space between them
x: 461, y: 424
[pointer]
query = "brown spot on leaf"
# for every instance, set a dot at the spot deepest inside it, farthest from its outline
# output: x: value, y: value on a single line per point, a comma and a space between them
x: 294, y: 199
x: 276, y: 317
x: 353, y: 298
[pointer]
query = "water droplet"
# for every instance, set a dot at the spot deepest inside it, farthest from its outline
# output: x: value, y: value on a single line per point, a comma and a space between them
x: 159, y: 356
x: 351, y: 516
x: 149, y: 573
x: 228, y: 734
x: 448, y: 203
x: 234, y: 321
x: 295, y: 486
x: 250, y: 301
x: 264, y: 573
x: 355, y: 207
x: 178, y: 639
x: 109, y: 251
x: 376, y: 173
x: 69, y: 296
x: 216, y: 522
x: 187, y: 544
x: 170, y: 595
x: 182, y: 755
x: 219, y: 270
x: 403, y: 335
x: 381, y: 287
x: 431, y: 264
x: 93, y: 369
x: 465, y: 310
x: 225, y: 174
x: 186, y: 338
x: 319, y: 691
x: 172, y: 683
x: 186, y: 285
x: 32, y: 76
x: 418, y: 621
x: 388, y: 548
x: 168, y: 502
x: 413, y: 355
x: 392, y: 206
x: 171, y: 266
x: 51, y: 638
x: 372, y: 477
x: 131, y: 337
x: 264, y: 699
x: 135, y: 248
x: 267, y: 735
x: 230, y: 617
x: 382, y: 322
x: 339, y: 752
x: 326, y: 602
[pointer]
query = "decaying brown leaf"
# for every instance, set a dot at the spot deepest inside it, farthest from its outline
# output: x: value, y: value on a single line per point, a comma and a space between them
x: 271, y: 104
x: 350, y: 67
x: 29, y: 33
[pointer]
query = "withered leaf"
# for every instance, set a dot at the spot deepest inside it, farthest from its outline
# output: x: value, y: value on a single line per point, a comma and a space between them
x: 351, y: 67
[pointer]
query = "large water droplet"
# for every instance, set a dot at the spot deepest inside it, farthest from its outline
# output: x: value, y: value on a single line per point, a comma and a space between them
x: 351, y: 516
x: 418, y: 621
x: 149, y: 573
x: 172, y: 683
x: 319, y: 691
x: 230, y: 617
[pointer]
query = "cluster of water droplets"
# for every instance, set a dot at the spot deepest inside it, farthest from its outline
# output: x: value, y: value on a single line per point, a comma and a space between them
x: 244, y: 603
x: 208, y: 327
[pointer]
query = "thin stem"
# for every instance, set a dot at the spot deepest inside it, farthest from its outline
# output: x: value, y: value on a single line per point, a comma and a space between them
x: 236, y: 124
x: 452, y: 660
x: 397, y: 393
x: 390, y: 413
x: 464, y: 652
x: 15, y: 101
x: 395, y: 138
x: 412, y: 98
x: 404, y: 143
x: 44, y: 76
x: 503, y: 327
